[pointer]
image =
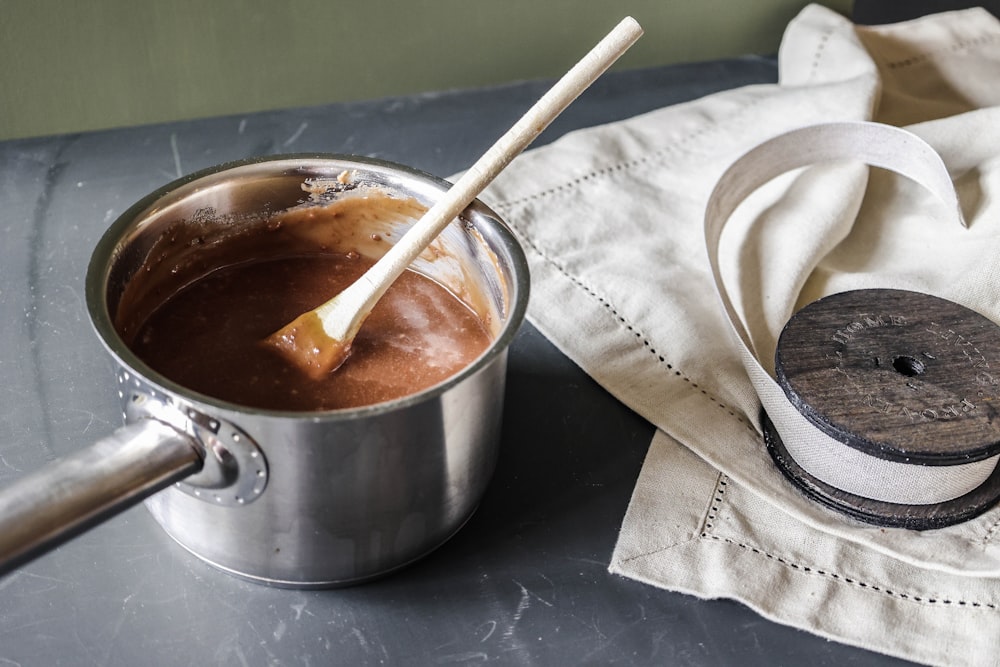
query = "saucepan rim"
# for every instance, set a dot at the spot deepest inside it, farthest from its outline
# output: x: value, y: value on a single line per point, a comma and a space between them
x: 107, y: 249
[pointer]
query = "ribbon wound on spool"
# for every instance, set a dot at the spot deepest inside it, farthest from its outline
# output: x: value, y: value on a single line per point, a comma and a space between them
x: 885, y: 410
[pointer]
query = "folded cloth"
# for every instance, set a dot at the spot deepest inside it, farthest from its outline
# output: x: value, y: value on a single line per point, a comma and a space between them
x: 612, y: 221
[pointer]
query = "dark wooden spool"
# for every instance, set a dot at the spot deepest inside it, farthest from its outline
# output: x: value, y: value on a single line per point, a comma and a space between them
x: 898, y: 375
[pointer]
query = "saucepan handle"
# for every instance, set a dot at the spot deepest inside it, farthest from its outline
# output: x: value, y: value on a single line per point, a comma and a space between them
x: 45, y: 508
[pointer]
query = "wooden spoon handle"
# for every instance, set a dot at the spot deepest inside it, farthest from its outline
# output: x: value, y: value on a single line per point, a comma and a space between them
x: 364, y: 293
x: 319, y: 341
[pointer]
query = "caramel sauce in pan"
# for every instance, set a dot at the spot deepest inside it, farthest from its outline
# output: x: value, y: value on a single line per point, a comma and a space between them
x: 209, y: 335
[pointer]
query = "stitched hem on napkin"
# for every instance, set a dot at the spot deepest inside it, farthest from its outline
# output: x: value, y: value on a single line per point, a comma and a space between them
x: 802, y: 578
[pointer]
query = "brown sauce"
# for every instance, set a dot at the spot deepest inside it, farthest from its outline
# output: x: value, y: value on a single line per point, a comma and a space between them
x: 209, y: 336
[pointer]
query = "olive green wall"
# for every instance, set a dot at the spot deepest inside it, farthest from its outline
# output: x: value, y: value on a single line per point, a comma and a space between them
x: 68, y: 65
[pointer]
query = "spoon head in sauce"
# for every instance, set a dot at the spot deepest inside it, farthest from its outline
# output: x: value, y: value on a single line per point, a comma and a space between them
x: 306, y: 345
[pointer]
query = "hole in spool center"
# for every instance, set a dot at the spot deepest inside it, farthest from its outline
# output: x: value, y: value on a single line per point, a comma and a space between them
x: 908, y: 366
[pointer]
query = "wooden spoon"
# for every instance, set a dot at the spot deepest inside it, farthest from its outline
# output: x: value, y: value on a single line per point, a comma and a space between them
x: 319, y: 341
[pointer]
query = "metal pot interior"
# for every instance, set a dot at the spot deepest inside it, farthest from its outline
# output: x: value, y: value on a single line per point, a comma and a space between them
x: 181, y: 225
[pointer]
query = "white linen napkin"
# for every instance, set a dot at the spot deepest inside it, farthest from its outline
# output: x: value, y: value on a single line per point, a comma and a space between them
x: 611, y: 219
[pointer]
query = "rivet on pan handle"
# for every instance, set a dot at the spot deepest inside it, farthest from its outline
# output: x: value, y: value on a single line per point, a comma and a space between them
x: 235, y: 471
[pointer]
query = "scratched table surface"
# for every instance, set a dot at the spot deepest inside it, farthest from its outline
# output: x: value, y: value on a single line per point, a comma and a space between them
x: 524, y: 582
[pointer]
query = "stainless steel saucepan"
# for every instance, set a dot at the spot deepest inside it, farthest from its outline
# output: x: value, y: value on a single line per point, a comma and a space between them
x: 285, y: 498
